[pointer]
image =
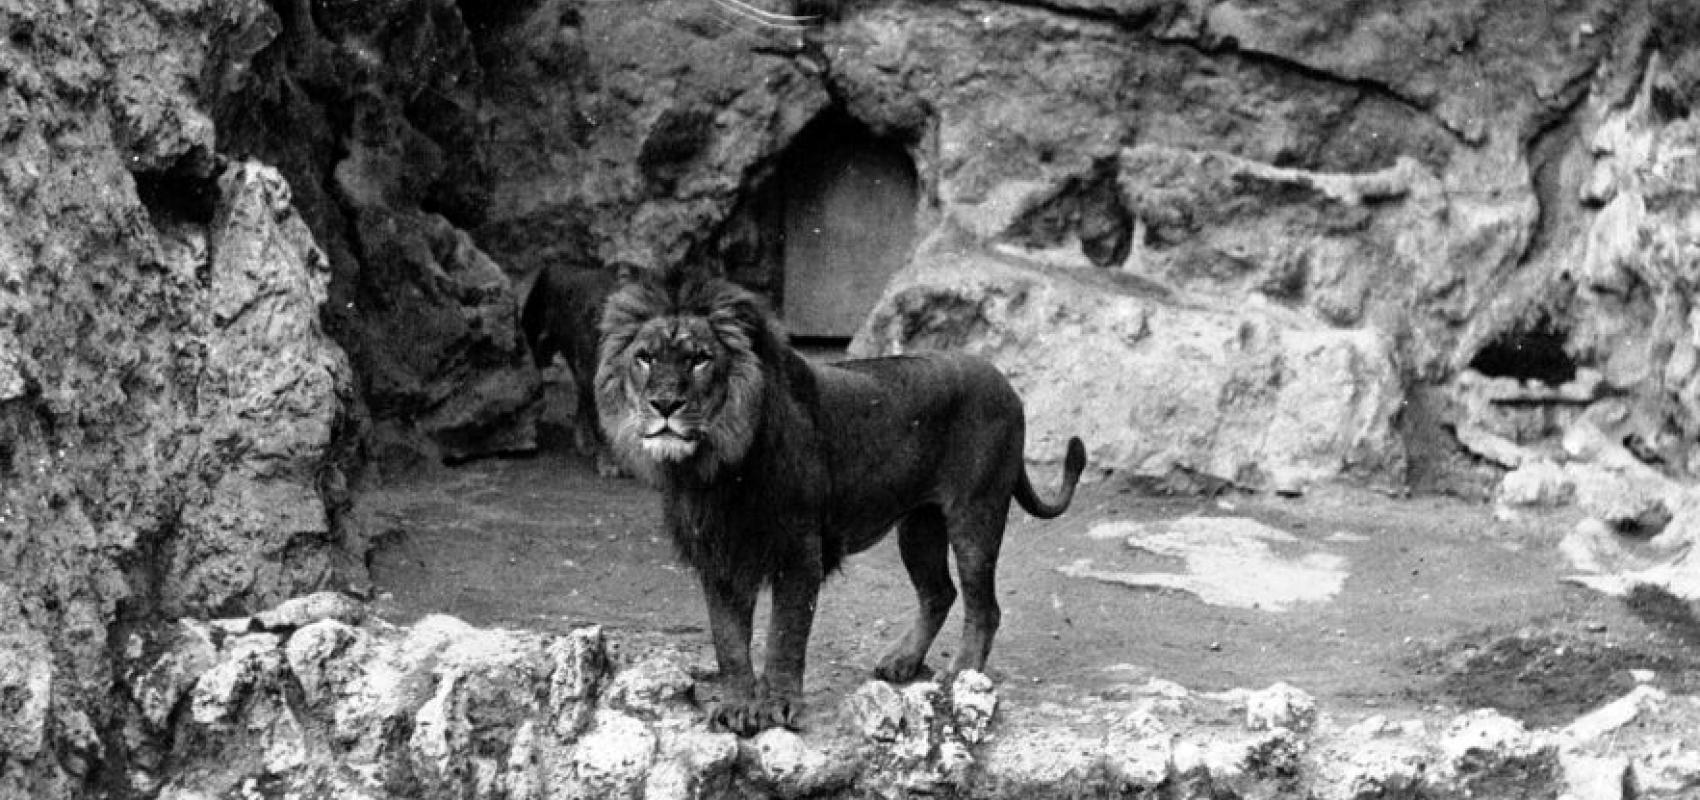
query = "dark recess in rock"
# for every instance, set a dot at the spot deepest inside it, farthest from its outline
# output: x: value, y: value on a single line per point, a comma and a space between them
x: 676, y: 139
x: 1088, y: 206
x: 186, y: 192
x: 1533, y: 353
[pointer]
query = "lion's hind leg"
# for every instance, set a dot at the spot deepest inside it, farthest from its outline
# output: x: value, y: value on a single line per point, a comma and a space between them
x: 975, y: 538
x: 926, y: 555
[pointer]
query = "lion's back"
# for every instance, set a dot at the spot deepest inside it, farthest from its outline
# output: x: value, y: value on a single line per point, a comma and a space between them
x: 926, y: 401
x: 932, y: 376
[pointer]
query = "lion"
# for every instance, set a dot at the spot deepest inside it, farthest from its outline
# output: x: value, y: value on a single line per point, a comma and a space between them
x: 773, y: 469
x: 560, y: 318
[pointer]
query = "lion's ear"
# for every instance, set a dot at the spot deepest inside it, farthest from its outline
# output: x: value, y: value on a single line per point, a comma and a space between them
x: 748, y: 312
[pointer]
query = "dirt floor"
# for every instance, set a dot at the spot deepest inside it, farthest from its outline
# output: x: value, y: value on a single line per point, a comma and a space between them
x: 1442, y: 607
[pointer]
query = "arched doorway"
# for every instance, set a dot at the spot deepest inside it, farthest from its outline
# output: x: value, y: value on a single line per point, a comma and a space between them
x: 849, y: 223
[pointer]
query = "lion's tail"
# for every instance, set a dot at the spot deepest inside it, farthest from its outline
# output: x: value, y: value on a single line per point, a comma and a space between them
x: 1073, y: 464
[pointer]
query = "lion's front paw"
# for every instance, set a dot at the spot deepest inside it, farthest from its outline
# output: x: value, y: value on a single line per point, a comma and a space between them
x: 900, y: 667
x: 748, y: 716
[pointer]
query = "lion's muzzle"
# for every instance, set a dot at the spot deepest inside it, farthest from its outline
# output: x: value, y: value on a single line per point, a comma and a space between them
x: 666, y: 437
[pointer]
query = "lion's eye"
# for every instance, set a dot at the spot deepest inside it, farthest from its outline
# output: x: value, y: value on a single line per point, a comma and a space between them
x: 701, y: 360
x: 643, y: 358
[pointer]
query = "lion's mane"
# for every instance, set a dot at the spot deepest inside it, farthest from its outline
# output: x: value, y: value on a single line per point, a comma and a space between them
x: 746, y: 333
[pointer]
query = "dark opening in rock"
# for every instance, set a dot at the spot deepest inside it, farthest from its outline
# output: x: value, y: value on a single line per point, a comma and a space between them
x: 187, y: 192
x: 846, y: 205
x: 1534, y: 354
x: 1090, y: 207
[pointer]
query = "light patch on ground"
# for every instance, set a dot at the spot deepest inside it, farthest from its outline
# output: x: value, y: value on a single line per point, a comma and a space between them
x: 1226, y: 561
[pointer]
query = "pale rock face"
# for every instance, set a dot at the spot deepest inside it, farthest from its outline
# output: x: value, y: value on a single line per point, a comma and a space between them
x: 1254, y: 394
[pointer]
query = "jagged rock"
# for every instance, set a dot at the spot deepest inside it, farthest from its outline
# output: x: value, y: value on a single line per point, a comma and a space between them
x: 272, y: 387
x: 612, y: 759
x: 1614, y: 715
x: 918, y: 734
x: 298, y: 611
x: 793, y: 767
x: 447, y: 355
x: 1381, y: 764
x: 877, y: 708
x: 1538, y: 482
x: 1646, y: 349
x: 188, y: 651
x: 449, y: 710
x: 972, y: 704
x: 1030, y: 757
x: 692, y: 762
x: 579, y: 666
x: 26, y: 684
x: 1495, y: 448
x: 1485, y: 749
x: 1600, y: 777
x: 246, y: 666
x: 325, y: 657
x: 1253, y: 394
x: 650, y: 689
x: 1279, y: 706
x: 1668, y: 770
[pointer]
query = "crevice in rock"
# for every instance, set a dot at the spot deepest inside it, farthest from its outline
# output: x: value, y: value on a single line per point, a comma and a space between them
x: 1557, y: 136
x: 1088, y: 207
x: 1137, y: 17
x: 1152, y: 19
x: 1370, y: 87
x: 186, y: 192
x: 1534, y: 352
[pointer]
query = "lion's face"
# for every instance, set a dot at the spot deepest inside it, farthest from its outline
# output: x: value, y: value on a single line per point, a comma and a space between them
x: 676, y: 382
x: 676, y: 388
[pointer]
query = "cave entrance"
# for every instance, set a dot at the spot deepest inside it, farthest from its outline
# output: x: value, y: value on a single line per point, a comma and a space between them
x: 849, y: 222
x: 1533, y: 354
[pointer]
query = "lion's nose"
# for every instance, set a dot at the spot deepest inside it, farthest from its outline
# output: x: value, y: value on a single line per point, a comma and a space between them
x: 666, y: 406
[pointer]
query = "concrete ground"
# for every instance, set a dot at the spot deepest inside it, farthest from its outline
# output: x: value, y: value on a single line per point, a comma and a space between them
x: 1374, y: 605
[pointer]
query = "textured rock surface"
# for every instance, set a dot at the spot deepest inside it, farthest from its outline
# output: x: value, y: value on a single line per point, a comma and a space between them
x: 169, y: 404
x: 1395, y: 178
x: 1252, y: 393
x: 442, y: 709
x: 370, y: 113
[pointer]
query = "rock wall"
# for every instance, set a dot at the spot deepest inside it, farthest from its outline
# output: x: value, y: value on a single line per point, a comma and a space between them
x: 174, y: 421
x: 1422, y: 184
x: 1419, y: 178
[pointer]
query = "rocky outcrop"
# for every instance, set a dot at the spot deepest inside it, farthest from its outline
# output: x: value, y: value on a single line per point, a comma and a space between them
x: 1393, y: 182
x: 173, y: 417
x: 335, y: 707
x: 371, y: 114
